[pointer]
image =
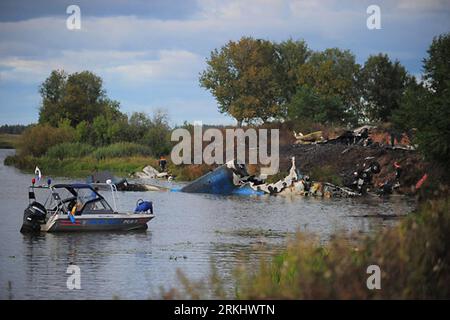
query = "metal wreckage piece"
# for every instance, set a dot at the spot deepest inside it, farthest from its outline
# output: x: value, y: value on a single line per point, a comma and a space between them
x: 233, y: 178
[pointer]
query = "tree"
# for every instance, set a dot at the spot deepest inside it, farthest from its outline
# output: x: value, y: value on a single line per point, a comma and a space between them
x: 36, y: 140
x: 308, y: 105
x: 437, y: 65
x: 433, y: 135
x: 426, y: 106
x: 77, y: 97
x: 106, y: 130
x: 291, y: 55
x: 52, y: 92
x: 242, y: 76
x: 139, y: 123
x: 158, y: 135
x: 383, y: 83
x: 333, y: 73
x: 410, y: 110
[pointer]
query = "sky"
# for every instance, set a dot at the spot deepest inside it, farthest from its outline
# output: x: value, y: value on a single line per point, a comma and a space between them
x: 150, y: 53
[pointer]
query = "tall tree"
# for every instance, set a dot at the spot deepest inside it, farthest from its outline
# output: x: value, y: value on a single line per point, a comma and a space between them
x: 309, y: 106
x: 76, y: 97
x: 426, y: 106
x: 437, y: 65
x: 333, y: 73
x: 52, y: 91
x: 383, y: 83
x: 242, y: 76
x: 291, y: 55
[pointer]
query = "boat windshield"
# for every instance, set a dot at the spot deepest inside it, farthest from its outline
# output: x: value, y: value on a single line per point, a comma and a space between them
x: 89, y: 201
x: 85, y: 195
x: 64, y: 197
x: 86, y: 199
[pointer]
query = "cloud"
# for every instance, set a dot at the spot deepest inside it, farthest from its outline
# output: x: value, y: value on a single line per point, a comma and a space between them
x: 422, y: 5
x: 128, y: 67
x: 132, y: 48
x: 175, y: 65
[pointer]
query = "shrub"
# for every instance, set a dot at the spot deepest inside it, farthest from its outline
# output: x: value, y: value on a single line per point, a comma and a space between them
x: 122, y: 149
x: 37, y: 140
x: 69, y: 150
x: 414, y: 259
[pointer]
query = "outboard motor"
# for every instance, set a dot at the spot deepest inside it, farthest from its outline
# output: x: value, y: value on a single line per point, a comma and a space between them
x: 33, y: 216
x: 144, y: 207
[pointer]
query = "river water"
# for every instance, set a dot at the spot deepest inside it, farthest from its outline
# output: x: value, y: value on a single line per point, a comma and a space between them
x: 191, y: 232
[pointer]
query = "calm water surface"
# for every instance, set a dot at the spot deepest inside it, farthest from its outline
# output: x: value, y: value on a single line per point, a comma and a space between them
x: 190, y: 232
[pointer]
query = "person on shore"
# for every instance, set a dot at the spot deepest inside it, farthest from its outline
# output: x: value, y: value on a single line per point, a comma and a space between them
x: 162, y: 163
x: 398, y: 171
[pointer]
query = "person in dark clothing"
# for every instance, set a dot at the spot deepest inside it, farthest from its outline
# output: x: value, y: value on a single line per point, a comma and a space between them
x: 398, y: 171
x: 162, y: 163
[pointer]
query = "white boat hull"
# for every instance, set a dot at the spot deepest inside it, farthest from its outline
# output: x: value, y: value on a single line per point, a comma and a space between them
x: 97, y: 222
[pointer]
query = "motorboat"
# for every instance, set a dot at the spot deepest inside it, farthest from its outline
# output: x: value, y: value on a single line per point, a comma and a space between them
x: 80, y: 207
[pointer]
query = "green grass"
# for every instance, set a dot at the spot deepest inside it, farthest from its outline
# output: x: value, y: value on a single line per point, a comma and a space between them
x: 121, y: 150
x: 68, y: 150
x: 8, y: 141
x: 74, y: 159
x: 188, y: 172
x: 414, y: 259
x: 62, y: 160
x: 326, y: 174
x: 80, y: 167
x: 277, y: 177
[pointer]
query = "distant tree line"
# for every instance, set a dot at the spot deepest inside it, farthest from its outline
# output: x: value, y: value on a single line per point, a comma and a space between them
x: 13, y: 129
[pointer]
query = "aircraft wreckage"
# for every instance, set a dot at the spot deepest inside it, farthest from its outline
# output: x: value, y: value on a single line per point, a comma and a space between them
x: 232, y: 179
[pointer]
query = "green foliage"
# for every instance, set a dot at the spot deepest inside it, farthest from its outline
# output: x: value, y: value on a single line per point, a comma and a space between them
x: 411, y: 107
x: 38, y: 139
x: 291, y: 55
x: 12, y: 129
x: 139, y: 124
x: 120, y: 150
x: 383, y: 83
x: 332, y: 74
x: 242, y: 76
x: 82, y: 132
x: 77, y: 97
x: 433, y: 131
x: 256, y: 80
x: 437, y: 65
x: 309, y: 105
x: 280, y: 175
x: 326, y: 174
x: 69, y: 150
x: 8, y: 141
x: 425, y: 106
x: 414, y: 258
x: 188, y: 172
x: 79, y: 167
x: 157, y: 135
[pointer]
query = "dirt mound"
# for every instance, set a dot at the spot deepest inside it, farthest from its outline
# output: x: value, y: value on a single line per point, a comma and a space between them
x: 343, y: 160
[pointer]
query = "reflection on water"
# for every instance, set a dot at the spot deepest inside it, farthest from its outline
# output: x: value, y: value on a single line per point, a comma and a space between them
x: 190, y: 232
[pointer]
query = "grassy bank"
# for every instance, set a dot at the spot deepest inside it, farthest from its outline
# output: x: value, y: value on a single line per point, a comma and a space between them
x: 414, y: 259
x: 8, y: 141
x: 80, y: 167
